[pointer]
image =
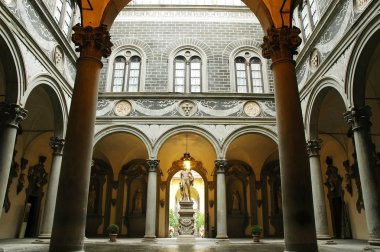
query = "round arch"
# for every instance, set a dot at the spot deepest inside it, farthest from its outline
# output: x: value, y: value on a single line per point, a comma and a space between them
x: 14, y: 69
x: 356, y: 72
x: 187, y: 129
x: 125, y: 129
x: 248, y: 130
x: 55, y: 93
x: 315, y: 101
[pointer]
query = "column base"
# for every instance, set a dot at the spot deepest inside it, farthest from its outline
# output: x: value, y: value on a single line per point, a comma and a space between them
x: 323, y: 237
x: 149, y: 238
x: 44, y: 236
x: 221, y: 237
x: 374, y: 241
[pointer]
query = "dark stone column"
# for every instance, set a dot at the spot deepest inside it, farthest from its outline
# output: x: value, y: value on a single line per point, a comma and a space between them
x: 151, y: 204
x: 221, y: 205
x: 71, y: 206
x: 320, y: 215
x: 358, y: 119
x: 51, y: 196
x: 299, y: 228
x: 10, y: 117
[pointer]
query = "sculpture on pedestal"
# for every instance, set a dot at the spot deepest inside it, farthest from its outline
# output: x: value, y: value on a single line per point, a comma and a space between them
x: 186, y: 212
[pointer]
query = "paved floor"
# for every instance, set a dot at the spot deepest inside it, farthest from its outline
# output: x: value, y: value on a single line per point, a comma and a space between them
x: 172, y: 245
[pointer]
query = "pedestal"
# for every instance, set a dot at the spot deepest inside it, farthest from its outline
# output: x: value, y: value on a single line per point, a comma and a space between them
x: 186, y: 221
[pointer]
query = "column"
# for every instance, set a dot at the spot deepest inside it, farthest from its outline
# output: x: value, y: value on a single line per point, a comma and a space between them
x: 11, y: 115
x: 47, y: 220
x: 298, y: 215
x: 221, y: 206
x: 151, y: 204
x: 320, y: 215
x: 72, y: 196
x: 358, y: 119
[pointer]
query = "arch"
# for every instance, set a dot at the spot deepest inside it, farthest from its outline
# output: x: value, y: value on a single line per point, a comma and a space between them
x: 361, y: 53
x: 190, y: 129
x: 236, y: 45
x: 315, y: 101
x: 182, y: 43
x: 125, y: 129
x: 57, y: 99
x: 143, y: 46
x: 14, y: 70
x: 247, y: 130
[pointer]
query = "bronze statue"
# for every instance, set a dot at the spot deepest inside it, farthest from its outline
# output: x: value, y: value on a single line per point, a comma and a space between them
x: 187, y: 180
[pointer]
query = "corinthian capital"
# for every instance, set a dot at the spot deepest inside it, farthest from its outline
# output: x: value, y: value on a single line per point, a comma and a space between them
x: 153, y: 164
x: 56, y: 144
x: 220, y: 165
x: 281, y: 43
x: 313, y: 147
x: 358, y: 118
x: 11, y: 114
x: 92, y: 41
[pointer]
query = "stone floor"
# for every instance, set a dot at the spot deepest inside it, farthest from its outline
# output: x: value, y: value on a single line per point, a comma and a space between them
x: 171, y: 245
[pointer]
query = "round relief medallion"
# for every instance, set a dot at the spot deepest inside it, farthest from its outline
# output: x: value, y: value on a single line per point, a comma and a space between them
x: 252, y: 109
x: 122, y: 108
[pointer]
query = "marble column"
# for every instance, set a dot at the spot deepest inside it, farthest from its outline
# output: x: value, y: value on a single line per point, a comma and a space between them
x: 51, y: 196
x: 151, y: 201
x: 358, y: 119
x: 71, y: 205
x: 10, y: 117
x: 280, y: 44
x: 221, y: 206
x: 320, y: 215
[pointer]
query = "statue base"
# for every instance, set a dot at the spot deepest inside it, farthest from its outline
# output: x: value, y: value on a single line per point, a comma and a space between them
x: 186, y: 221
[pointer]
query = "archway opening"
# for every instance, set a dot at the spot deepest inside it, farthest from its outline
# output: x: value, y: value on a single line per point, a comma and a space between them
x: 197, y: 196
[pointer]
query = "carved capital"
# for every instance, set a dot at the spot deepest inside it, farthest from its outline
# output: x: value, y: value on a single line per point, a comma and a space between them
x: 313, y: 147
x: 57, y: 145
x: 281, y: 43
x: 11, y: 114
x: 220, y: 165
x: 153, y: 164
x: 92, y: 41
x: 358, y: 118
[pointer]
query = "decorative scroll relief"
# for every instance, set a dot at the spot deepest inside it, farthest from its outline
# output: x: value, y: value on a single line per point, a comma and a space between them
x: 187, y: 108
x: 336, y: 30
x: 153, y: 131
x: 302, y: 74
x: 339, y: 69
x: 35, y: 26
x: 220, y: 132
x: 361, y: 4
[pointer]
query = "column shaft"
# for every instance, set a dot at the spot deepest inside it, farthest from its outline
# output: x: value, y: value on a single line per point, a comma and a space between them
x: 221, y: 210
x: 299, y: 228
x: 71, y: 205
x: 11, y: 116
x: 51, y: 195
x: 151, y: 204
x: 319, y: 204
x: 359, y: 119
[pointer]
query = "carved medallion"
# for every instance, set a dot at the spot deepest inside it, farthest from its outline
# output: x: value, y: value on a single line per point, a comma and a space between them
x: 187, y: 108
x: 314, y: 60
x: 361, y: 4
x: 122, y: 108
x: 252, y: 109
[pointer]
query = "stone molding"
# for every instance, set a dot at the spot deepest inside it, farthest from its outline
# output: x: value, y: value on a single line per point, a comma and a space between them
x: 358, y: 118
x: 281, y: 44
x: 313, y: 147
x: 12, y: 114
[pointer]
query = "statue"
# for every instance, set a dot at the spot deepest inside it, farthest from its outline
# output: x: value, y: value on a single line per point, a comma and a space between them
x: 138, y: 200
x: 187, y: 180
x: 91, y: 199
x: 235, y: 201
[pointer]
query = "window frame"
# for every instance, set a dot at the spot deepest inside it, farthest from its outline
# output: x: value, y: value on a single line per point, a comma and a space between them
x: 189, y: 53
x: 61, y: 21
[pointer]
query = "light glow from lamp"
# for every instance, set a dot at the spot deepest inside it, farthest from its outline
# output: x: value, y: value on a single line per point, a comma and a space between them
x: 186, y: 158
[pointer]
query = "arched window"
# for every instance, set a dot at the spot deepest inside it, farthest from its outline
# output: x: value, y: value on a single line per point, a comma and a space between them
x: 248, y: 73
x: 179, y: 74
x: 308, y: 16
x: 187, y: 71
x: 256, y: 76
x: 126, y: 65
x: 63, y: 15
